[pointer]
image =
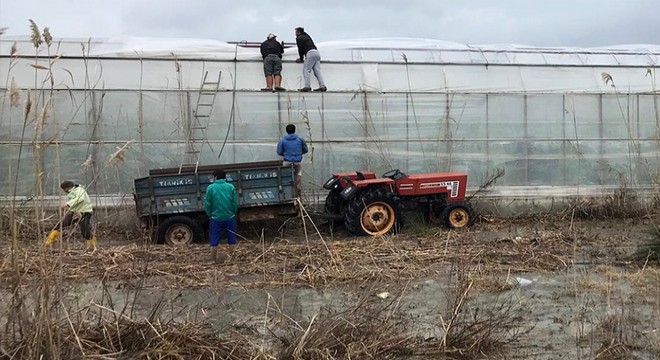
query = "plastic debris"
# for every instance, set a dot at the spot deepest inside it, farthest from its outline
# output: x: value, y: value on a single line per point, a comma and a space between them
x: 384, y: 295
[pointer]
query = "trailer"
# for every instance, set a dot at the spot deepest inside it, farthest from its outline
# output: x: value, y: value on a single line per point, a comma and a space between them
x: 171, y: 201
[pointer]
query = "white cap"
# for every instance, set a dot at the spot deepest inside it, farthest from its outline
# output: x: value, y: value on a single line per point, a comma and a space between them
x: 271, y: 36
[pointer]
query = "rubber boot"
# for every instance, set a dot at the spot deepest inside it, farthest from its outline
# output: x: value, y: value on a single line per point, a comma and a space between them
x: 91, y: 244
x: 217, y: 258
x: 230, y: 251
x: 214, y: 254
x: 52, y: 237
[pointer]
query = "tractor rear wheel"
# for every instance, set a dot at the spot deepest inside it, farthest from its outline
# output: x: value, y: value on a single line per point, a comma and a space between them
x: 376, y: 212
x: 457, y: 216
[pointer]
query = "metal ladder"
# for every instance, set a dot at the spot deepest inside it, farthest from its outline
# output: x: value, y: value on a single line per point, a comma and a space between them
x: 196, y: 131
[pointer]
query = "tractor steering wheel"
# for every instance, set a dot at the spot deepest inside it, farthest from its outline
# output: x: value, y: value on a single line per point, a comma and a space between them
x: 394, y: 174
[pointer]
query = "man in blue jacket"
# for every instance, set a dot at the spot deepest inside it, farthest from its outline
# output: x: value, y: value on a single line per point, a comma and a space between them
x: 292, y: 147
x: 221, y: 206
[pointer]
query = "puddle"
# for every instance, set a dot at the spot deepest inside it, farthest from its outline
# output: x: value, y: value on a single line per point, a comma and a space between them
x: 563, y: 310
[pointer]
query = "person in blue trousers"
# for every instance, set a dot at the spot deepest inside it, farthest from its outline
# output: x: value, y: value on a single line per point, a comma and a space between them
x: 221, y: 205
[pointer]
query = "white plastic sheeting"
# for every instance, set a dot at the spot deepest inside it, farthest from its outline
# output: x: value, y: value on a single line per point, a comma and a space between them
x: 546, y: 116
x: 377, y: 65
x: 121, y: 74
x: 361, y: 50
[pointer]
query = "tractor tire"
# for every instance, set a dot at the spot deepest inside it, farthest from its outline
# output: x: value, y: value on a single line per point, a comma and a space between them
x: 457, y: 216
x: 333, y: 203
x: 374, y: 213
x: 353, y: 208
x: 179, y: 231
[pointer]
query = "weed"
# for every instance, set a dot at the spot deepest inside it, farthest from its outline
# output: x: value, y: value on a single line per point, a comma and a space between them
x: 371, y: 329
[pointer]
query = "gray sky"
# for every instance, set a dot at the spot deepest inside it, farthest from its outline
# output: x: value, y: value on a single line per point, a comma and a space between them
x: 532, y: 22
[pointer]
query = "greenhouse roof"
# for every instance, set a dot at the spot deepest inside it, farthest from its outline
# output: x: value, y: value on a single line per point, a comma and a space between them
x: 377, y: 50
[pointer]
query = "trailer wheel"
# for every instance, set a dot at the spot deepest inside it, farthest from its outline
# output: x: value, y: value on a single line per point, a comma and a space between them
x: 375, y: 213
x: 458, y: 216
x: 178, y: 231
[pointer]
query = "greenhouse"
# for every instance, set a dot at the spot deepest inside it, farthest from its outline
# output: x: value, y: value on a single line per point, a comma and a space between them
x: 558, y: 121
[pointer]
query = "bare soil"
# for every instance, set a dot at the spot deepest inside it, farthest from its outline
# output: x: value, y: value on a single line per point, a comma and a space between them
x: 580, y: 288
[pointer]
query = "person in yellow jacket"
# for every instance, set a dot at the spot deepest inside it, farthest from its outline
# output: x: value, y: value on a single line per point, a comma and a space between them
x: 78, y: 209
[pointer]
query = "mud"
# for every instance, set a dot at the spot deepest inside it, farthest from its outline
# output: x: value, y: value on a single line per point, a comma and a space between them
x: 603, y: 303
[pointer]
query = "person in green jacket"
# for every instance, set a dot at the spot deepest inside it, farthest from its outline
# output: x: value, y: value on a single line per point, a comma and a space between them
x: 221, y: 206
x: 78, y: 209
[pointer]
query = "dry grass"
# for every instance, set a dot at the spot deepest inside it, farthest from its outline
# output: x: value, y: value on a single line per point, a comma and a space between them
x: 129, y: 339
x: 622, y: 204
x: 370, y: 329
x: 41, y: 122
x: 375, y: 327
x: 366, y: 327
x: 35, y: 34
x: 14, y: 93
x: 614, y: 350
x: 587, y: 284
x: 649, y: 252
x: 294, y: 263
x: 43, y: 325
x: 48, y: 38
x: 473, y: 329
x: 473, y: 324
x: 119, y: 156
x: 618, y: 335
x: 27, y: 107
x: 626, y: 328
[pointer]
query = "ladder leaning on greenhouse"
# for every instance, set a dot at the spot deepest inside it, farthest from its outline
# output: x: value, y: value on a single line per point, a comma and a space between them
x: 196, y: 131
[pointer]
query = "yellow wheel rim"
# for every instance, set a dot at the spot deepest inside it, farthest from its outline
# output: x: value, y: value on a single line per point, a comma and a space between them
x: 459, y: 218
x: 179, y: 235
x: 377, y: 218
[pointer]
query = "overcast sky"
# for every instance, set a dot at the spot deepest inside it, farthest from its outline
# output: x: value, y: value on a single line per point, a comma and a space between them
x: 584, y: 23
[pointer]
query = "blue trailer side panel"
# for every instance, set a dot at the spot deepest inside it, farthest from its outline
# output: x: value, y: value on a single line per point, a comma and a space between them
x: 159, y: 195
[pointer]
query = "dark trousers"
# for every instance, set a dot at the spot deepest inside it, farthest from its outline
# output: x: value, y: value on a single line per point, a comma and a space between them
x: 217, y: 227
x: 83, y: 220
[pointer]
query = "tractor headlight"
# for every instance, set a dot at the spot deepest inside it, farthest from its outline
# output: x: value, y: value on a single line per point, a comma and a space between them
x: 348, y: 192
x: 330, y: 184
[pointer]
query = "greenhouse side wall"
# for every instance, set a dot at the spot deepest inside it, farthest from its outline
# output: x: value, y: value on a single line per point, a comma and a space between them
x: 550, y: 143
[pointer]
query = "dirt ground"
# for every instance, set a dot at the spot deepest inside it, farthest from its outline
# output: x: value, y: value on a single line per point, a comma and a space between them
x: 563, y: 288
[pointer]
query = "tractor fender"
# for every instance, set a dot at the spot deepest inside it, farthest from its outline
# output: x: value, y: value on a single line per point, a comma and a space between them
x: 372, y: 182
x: 358, y: 186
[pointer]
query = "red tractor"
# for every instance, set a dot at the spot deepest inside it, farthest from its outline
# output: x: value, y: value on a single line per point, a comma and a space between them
x: 373, y: 206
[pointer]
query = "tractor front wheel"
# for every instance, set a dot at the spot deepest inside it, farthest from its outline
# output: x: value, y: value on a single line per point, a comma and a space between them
x: 333, y: 202
x: 457, y: 216
x: 375, y: 213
